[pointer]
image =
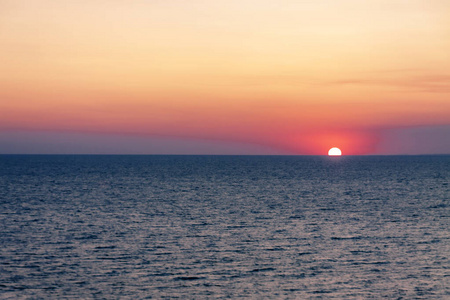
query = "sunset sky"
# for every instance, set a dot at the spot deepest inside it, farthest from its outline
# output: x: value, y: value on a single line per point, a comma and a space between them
x: 225, y: 77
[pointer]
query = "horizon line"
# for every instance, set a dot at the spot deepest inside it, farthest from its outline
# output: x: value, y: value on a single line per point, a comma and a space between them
x: 160, y: 154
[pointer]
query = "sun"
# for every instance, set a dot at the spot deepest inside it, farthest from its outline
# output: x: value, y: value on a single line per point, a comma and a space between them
x: 334, y: 152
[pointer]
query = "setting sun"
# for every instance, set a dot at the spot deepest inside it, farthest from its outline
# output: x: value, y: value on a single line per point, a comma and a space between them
x: 334, y: 152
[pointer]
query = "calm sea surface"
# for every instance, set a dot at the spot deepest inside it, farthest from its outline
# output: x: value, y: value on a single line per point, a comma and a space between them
x: 195, y: 227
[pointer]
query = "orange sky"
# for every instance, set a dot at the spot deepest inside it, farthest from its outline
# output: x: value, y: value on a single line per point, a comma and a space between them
x: 297, y: 76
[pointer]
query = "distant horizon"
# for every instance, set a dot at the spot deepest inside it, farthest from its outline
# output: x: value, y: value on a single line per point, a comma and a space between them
x: 158, y: 154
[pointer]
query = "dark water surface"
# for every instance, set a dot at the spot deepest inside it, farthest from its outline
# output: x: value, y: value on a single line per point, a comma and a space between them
x: 195, y: 227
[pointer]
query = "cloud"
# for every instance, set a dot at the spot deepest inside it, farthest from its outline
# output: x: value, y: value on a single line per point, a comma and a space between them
x: 415, y: 140
x: 48, y: 142
x: 437, y: 83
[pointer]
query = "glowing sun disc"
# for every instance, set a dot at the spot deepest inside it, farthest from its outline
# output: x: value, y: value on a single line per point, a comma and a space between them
x: 334, y: 152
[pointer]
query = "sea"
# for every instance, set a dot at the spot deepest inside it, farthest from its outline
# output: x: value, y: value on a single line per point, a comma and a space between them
x: 224, y: 227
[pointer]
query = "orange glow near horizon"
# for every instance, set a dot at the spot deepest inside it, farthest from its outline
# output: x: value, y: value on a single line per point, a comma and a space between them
x: 297, y: 76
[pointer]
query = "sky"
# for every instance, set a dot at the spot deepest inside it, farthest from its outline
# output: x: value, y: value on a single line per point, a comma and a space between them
x: 225, y: 77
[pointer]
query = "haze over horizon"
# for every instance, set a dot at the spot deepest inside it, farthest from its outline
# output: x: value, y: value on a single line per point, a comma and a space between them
x: 225, y: 77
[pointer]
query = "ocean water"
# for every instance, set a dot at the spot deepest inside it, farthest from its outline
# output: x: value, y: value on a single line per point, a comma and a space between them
x: 219, y: 227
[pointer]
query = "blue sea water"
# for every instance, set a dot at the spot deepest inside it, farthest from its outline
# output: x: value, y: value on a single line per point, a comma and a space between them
x: 199, y: 227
